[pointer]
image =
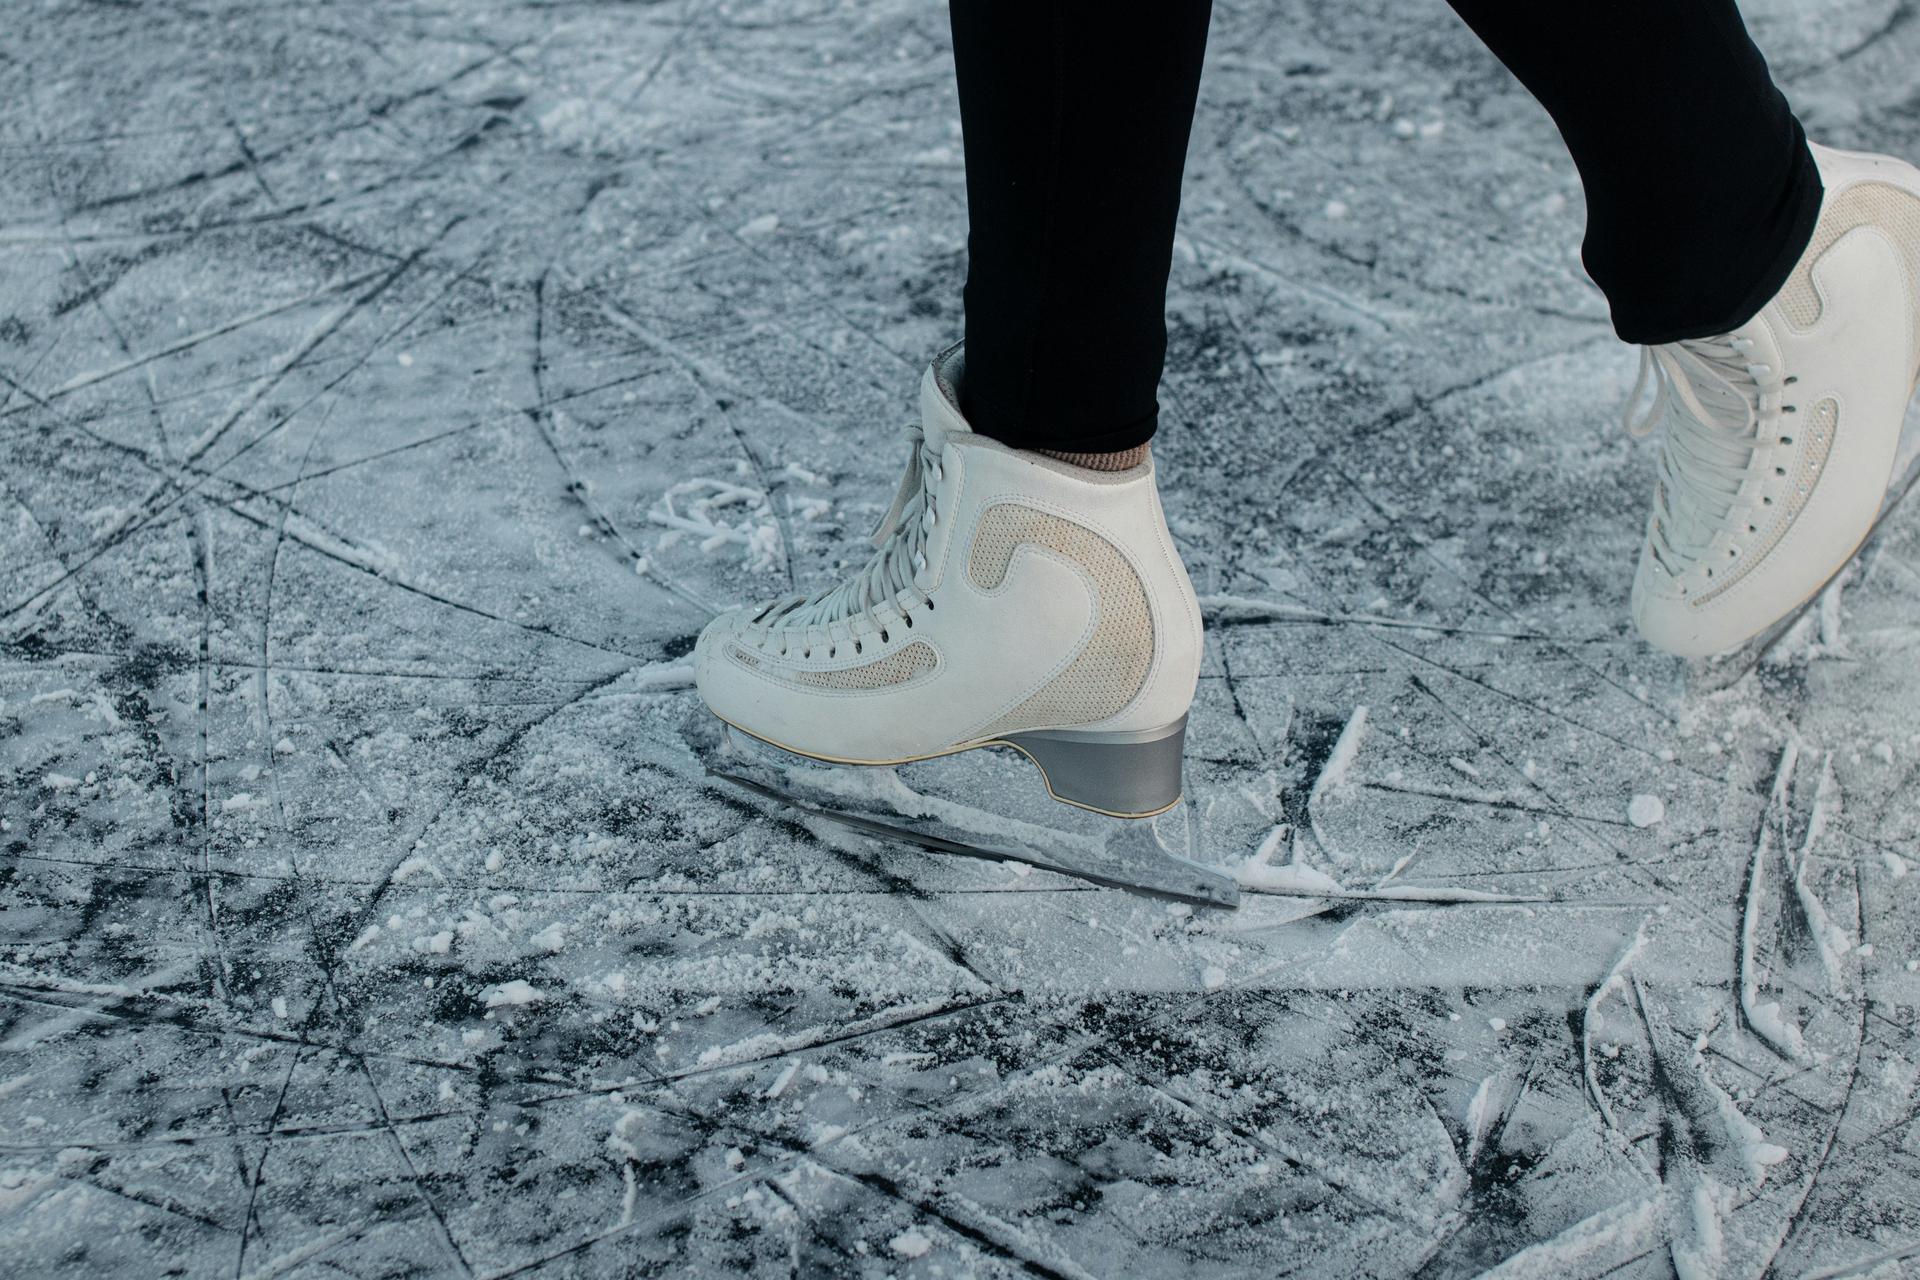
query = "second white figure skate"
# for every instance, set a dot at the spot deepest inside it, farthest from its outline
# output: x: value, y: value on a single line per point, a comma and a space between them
x: 1783, y: 447
x: 1013, y: 601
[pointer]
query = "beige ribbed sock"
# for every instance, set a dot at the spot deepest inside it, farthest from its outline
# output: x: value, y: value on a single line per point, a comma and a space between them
x: 1120, y: 460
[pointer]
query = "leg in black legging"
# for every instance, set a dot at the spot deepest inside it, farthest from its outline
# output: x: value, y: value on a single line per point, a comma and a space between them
x: 1075, y: 117
x: 1701, y: 193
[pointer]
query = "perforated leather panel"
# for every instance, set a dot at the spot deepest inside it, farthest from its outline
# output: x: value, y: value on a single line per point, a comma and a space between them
x: 1105, y: 675
x: 1868, y: 204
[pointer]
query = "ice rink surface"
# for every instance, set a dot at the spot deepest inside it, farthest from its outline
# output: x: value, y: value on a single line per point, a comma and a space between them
x: 389, y: 390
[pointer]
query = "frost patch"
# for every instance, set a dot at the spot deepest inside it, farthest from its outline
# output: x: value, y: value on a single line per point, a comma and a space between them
x: 510, y: 994
x: 910, y: 1244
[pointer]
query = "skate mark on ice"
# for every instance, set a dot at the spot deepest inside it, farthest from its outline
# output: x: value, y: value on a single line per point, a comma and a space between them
x: 145, y: 509
x: 542, y: 418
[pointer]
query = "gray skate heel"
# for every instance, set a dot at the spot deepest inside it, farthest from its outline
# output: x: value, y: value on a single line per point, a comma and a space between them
x: 1124, y: 775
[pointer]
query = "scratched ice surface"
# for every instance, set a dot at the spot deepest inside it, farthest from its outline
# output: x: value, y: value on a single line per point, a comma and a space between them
x: 391, y: 389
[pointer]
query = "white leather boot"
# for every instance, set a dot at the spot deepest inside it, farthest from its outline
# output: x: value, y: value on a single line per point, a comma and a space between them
x: 1013, y: 600
x: 1782, y: 435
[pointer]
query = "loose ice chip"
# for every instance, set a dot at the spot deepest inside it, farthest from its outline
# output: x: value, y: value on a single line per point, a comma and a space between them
x: 910, y: 1244
x: 1646, y: 810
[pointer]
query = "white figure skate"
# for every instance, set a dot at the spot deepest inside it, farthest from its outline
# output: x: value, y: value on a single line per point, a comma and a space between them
x: 1013, y: 601
x: 1783, y: 438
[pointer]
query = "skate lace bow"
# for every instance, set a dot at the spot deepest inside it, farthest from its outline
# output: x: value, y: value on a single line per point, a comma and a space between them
x: 1713, y: 400
x: 900, y: 546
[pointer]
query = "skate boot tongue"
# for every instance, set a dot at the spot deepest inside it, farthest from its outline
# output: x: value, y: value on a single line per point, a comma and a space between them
x: 939, y: 421
x: 940, y: 399
x: 900, y: 541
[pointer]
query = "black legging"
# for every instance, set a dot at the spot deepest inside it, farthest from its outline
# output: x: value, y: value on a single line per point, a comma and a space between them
x: 1701, y: 193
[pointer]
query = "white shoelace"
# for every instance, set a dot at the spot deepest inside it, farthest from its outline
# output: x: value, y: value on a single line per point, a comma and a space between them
x: 900, y: 553
x: 1716, y: 404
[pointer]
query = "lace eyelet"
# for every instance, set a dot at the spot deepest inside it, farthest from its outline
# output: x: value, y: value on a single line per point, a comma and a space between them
x: 883, y: 635
x: 929, y: 604
x: 1791, y: 379
x: 907, y: 618
x: 857, y: 647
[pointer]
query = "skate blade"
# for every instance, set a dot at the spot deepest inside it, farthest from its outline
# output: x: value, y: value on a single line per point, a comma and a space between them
x: 917, y: 805
x: 1724, y: 670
